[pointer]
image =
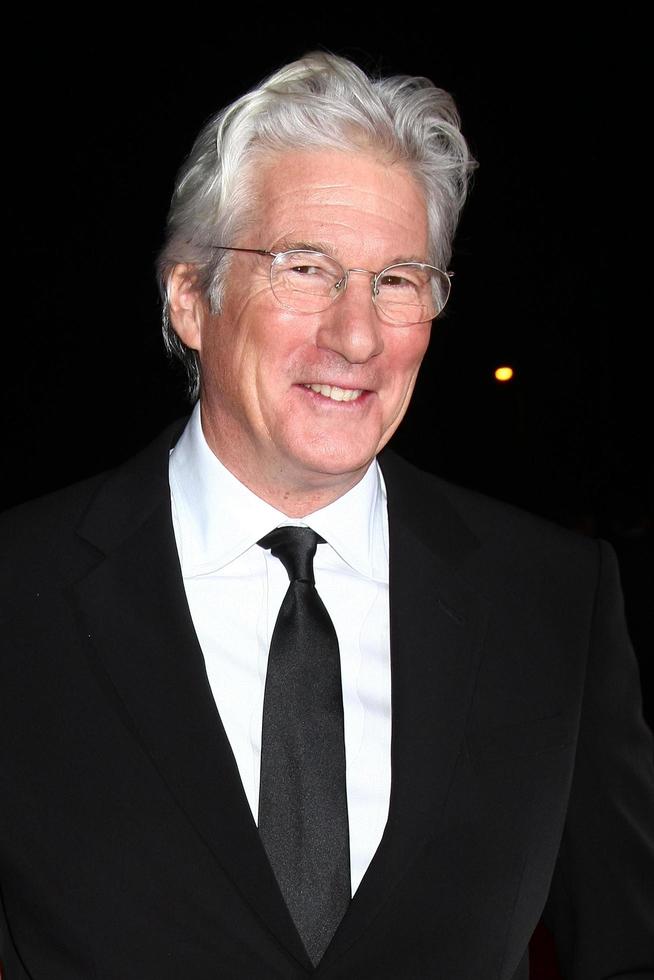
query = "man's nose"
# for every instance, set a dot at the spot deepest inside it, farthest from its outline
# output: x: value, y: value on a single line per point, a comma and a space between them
x: 351, y: 326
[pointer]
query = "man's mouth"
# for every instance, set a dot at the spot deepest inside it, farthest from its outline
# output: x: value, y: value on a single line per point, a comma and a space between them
x: 335, y: 393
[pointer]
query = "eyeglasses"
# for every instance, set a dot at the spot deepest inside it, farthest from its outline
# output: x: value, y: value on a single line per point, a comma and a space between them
x: 309, y: 282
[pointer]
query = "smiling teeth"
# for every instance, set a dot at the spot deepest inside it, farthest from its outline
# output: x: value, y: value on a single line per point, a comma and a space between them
x: 336, y: 394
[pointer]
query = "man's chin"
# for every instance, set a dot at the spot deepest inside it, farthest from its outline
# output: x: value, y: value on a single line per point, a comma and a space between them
x: 332, y: 464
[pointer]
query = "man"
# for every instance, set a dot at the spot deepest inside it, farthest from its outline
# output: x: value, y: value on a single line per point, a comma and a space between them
x: 213, y: 768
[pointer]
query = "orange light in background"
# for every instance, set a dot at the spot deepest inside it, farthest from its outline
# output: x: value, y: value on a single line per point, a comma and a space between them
x: 504, y: 373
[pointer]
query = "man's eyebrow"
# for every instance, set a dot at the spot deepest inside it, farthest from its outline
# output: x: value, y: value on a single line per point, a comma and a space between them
x: 402, y: 259
x: 288, y: 245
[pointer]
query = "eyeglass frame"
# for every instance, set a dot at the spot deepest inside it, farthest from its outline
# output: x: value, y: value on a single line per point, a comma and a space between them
x: 375, y: 276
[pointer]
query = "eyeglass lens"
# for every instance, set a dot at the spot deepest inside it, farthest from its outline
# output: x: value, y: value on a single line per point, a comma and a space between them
x: 309, y: 282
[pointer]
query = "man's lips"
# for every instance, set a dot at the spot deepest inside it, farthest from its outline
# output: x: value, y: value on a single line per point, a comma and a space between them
x: 334, y: 392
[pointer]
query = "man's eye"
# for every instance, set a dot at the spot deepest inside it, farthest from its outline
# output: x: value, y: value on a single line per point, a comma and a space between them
x: 394, y: 281
x: 307, y: 270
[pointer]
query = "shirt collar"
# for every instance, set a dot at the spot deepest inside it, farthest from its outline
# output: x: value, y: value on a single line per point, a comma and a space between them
x: 217, y: 518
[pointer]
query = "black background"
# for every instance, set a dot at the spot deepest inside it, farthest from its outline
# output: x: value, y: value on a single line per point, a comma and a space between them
x: 548, y: 260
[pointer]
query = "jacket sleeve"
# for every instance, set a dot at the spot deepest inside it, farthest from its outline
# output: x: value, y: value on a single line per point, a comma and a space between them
x: 10, y: 965
x: 601, y: 903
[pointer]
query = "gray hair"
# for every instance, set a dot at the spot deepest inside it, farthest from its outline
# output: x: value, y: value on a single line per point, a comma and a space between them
x: 321, y: 101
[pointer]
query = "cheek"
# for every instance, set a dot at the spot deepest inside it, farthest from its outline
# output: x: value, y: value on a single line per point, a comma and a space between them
x: 230, y: 355
x: 218, y: 367
x: 405, y: 358
x: 265, y: 372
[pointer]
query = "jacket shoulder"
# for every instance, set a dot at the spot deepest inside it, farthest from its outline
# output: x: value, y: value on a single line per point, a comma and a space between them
x: 40, y: 522
x: 512, y: 539
x: 41, y: 541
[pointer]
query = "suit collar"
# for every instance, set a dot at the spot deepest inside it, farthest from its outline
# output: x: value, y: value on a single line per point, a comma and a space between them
x: 130, y: 494
x: 419, y: 506
x: 134, y: 490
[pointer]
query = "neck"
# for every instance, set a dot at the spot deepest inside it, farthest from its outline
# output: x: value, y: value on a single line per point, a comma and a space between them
x: 292, y: 497
x: 294, y: 502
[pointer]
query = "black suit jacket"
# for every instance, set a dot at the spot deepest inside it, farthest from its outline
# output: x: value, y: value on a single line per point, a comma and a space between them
x: 522, y: 778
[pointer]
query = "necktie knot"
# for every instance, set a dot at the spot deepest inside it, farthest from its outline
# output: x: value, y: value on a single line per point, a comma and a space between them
x: 295, y: 547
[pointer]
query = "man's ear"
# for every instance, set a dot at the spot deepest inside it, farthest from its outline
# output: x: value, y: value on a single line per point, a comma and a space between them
x: 186, y: 307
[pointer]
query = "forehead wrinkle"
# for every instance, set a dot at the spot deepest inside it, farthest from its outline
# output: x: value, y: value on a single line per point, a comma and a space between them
x: 348, y: 233
x: 350, y: 215
x: 306, y: 190
x: 392, y: 174
x: 374, y: 196
x: 406, y: 220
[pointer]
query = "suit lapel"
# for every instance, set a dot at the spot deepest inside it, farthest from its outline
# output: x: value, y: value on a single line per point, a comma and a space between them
x: 134, y: 610
x: 150, y: 653
x: 437, y: 628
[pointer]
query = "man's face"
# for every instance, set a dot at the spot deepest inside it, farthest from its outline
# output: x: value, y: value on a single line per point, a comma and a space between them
x: 261, y: 363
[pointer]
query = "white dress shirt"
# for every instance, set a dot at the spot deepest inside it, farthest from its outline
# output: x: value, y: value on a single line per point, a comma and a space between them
x: 235, y: 589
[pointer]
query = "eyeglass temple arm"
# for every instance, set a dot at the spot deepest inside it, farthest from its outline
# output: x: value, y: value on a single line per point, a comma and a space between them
x: 234, y: 248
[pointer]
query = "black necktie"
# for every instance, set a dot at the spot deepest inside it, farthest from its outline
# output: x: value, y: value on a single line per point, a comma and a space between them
x: 302, y: 798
